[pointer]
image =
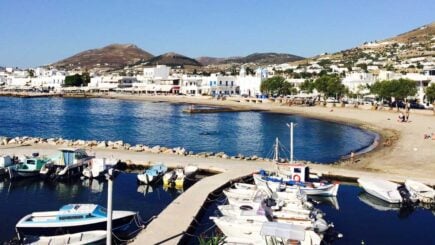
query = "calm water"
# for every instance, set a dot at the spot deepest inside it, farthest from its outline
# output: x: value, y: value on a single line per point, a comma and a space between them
x: 248, y: 133
x: 360, y: 217
x: 22, y: 197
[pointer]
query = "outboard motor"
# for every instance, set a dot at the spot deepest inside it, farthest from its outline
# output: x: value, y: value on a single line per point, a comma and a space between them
x: 408, y: 199
x: 320, y: 225
x: 270, y: 202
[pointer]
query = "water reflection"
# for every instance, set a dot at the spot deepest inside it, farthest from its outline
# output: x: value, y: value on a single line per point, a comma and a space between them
x: 377, y: 203
x: 331, y: 201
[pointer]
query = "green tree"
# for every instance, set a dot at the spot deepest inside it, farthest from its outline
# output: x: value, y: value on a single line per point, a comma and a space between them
x: 430, y: 93
x: 330, y: 86
x: 399, y: 89
x: 73, y: 81
x: 307, y: 86
x: 277, y: 86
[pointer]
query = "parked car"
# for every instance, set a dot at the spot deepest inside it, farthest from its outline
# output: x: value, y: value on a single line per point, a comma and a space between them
x: 331, y: 100
x: 398, y: 103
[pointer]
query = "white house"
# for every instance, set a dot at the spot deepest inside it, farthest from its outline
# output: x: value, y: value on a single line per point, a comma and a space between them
x: 191, y: 85
x: 111, y: 82
x: 157, y: 72
x: 217, y: 84
x: 250, y: 85
x: 355, y: 81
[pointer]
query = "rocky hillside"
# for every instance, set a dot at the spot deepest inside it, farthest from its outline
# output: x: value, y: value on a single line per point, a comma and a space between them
x: 256, y: 58
x: 110, y: 57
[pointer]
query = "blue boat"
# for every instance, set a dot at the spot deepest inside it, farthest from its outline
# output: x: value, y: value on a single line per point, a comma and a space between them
x: 71, y: 218
x: 153, y: 174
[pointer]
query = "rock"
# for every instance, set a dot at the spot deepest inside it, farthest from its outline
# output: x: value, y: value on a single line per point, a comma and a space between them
x: 191, y: 153
x: 233, y: 157
x: 254, y: 157
x: 225, y: 156
x: 168, y: 151
x: 240, y: 156
x: 102, y: 144
x: 80, y: 143
x: 137, y: 148
x: 155, y: 149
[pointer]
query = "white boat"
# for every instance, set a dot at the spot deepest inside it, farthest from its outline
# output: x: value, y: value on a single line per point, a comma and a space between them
x: 81, y: 238
x: 309, y: 188
x: 178, y: 176
x: 68, y: 163
x: 97, y: 167
x: 71, y: 218
x: 245, y: 228
x: 382, y: 189
x: 422, y: 192
x: 277, y: 233
x: 153, y: 174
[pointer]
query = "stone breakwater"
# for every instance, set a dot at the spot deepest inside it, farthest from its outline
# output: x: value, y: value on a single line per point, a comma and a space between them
x: 119, y: 145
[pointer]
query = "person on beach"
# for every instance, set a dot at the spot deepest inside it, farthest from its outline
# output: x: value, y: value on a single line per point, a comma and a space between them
x: 407, y: 114
x: 352, y: 157
x: 401, y: 117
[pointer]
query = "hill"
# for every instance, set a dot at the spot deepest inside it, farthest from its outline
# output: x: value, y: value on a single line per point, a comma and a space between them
x: 173, y: 60
x: 110, y: 57
x: 256, y: 58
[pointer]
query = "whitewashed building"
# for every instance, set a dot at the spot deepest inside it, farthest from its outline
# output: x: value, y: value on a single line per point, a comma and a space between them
x: 250, y: 85
x: 356, y: 81
x: 191, y: 85
x: 111, y: 82
x: 217, y: 84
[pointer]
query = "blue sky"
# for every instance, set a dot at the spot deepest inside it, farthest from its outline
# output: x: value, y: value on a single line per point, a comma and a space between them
x: 38, y: 32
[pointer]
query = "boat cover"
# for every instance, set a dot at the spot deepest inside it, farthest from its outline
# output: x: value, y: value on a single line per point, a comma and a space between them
x: 283, y: 230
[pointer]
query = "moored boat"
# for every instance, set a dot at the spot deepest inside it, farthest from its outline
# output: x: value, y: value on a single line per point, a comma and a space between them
x: 29, y: 166
x: 71, y: 218
x: 97, y: 167
x: 422, y: 192
x: 178, y: 176
x: 81, y: 238
x: 68, y: 163
x: 382, y: 189
x: 153, y: 174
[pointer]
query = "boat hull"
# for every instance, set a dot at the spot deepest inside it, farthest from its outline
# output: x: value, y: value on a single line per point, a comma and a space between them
x: 25, y: 174
x: 70, y: 229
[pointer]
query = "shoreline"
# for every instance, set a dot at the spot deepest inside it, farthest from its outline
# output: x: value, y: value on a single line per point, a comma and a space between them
x: 401, y: 147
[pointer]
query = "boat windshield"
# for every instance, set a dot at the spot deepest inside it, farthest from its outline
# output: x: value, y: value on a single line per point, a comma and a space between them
x: 100, y: 211
x: 31, y: 162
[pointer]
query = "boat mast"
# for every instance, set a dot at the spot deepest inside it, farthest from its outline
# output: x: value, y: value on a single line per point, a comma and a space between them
x: 291, y: 126
x: 109, y: 177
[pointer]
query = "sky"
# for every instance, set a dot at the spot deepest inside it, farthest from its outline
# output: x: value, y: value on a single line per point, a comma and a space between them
x: 40, y: 32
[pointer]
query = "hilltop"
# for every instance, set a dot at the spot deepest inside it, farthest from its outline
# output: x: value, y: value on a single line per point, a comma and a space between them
x: 173, y: 60
x: 110, y: 57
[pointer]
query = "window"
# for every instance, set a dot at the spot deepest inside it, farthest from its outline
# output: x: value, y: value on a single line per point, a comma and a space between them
x: 226, y: 83
x: 220, y: 82
x: 32, y: 162
x: 297, y: 170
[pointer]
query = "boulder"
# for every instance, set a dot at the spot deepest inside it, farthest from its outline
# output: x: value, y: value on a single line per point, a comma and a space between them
x: 225, y: 156
x: 155, y: 149
x: 102, y: 144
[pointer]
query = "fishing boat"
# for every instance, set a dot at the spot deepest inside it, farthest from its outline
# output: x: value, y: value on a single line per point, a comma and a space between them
x: 178, y: 176
x: 382, y: 189
x: 29, y: 166
x: 98, y: 167
x: 420, y: 191
x: 68, y: 163
x: 81, y: 238
x: 294, y: 175
x: 276, y: 182
x: 71, y: 218
x: 153, y: 174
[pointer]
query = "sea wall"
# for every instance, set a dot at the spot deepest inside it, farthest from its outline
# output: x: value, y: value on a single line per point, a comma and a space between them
x: 119, y: 145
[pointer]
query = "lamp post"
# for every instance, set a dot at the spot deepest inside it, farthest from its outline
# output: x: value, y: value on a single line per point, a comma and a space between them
x: 109, y: 177
x: 291, y: 126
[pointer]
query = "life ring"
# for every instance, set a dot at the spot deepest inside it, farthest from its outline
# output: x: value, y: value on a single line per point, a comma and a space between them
x: 297, y: 178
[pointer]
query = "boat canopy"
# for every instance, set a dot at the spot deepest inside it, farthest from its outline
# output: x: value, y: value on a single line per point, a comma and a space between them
x: 283, y: 230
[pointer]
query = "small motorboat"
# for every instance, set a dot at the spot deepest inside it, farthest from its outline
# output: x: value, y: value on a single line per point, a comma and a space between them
x: 153, y: 174
x: 177, y: 176
x: 71, y: 218
x: 420, y: 191
x: 29, y: 166
x: 98, y: 167
x: 382, y: 189
x: 68, y: 163
x: 81, y: 238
